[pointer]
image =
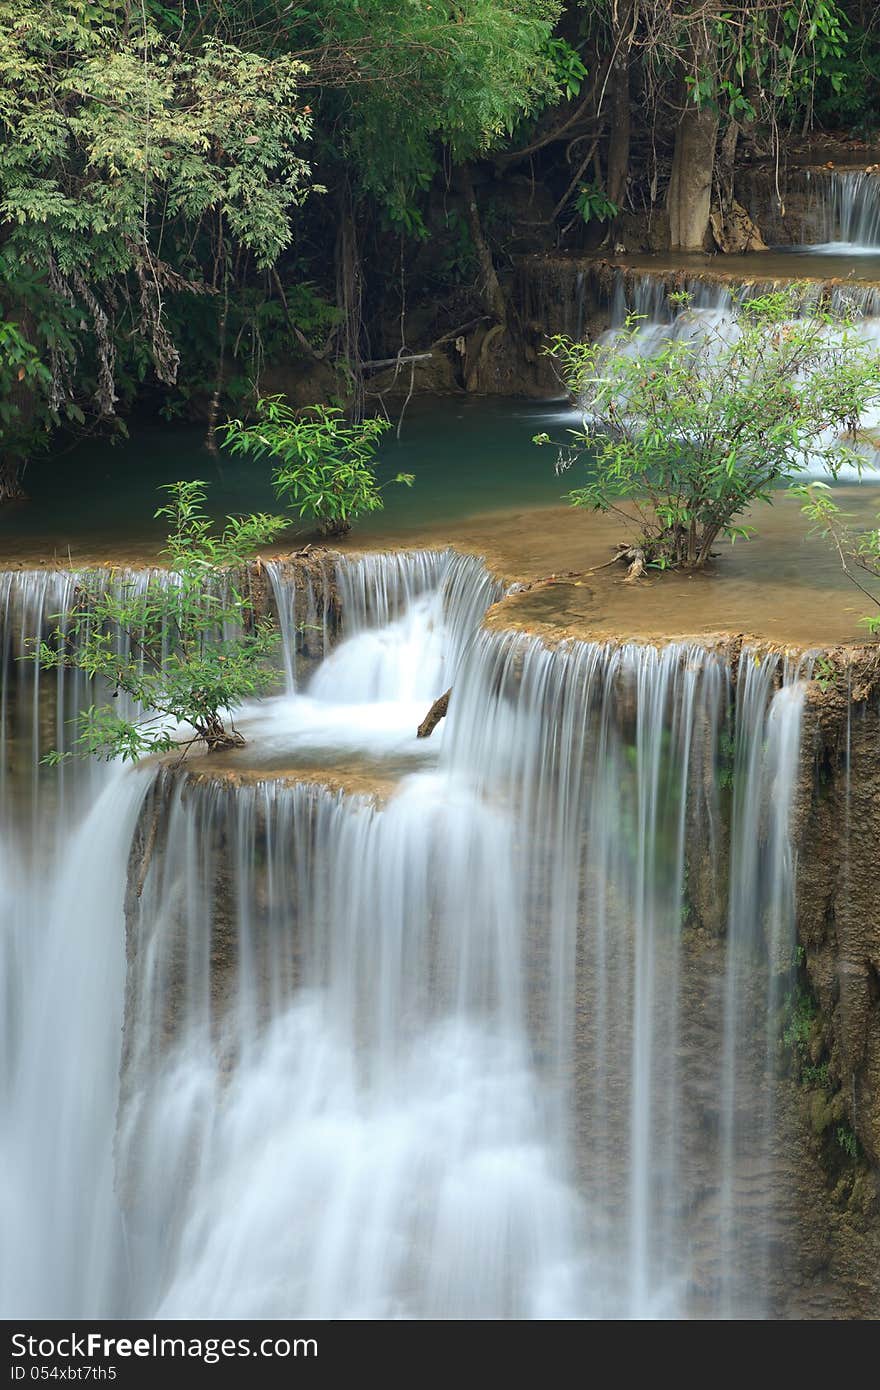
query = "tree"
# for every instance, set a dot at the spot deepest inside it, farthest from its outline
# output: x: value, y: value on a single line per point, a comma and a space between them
x: 22, y: 374
x: 705, y: 73
x: 682, y: 438
x: 185, y: 647
x: 408, y: 92
x: 322, y: 463
x: 117, y: 146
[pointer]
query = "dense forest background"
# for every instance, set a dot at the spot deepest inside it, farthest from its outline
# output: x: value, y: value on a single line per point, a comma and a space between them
x: 205, y: 201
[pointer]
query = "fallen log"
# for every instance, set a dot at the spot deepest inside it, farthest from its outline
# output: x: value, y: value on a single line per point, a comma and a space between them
x: 434, y: 715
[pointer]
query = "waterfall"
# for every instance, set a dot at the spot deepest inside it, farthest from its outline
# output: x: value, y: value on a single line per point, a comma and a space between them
x: 849, y: 202
x: 489, y: 1044
x: 648, y: 297
x: 709, y: 318
x: 65, y: 835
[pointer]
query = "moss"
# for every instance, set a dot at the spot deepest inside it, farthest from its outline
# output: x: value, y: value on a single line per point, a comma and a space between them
x: 825, y: 1110
x: 799, y: 1017
x: 815, y: 1077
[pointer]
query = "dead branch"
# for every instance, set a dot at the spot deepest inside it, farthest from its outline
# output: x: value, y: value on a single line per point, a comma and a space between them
x: 434, y: 715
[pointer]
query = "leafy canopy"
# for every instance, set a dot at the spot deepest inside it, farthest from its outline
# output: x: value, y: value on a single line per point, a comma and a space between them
x: 109, y: 125
x: 410, y: 85
x: 182, y: 647
x: 322, y: 462
x: 116, y: 145
x: 683, y: 437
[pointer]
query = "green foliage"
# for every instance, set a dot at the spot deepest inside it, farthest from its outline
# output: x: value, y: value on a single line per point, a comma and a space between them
x: 815, y: 1078
x: 593, y: 204
x: 117, y: 144
x: 19, y: 366
x: 769, y: 55
x: 108, y: 124
x: 848, y: 91
x: 682, y: 438
x: 848, y: 1141
x: 799, y: 1011
x: 260, y: 329
x: 747, y: 62
x: 21, y: 373
x: 166, y: 645
x: 154, y: 158
x: 567, y: 70
x: 799, y: 1018
x: 324, y: 464
x: 857, y: 550
x: 825, y: 673
x: 412, y: 84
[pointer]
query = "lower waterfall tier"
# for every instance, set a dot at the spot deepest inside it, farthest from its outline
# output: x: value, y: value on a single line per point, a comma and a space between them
x: 542, y: 1032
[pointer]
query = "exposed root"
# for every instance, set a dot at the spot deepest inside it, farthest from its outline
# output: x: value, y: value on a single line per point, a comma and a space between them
x: 147, y: 856
x: 634, y: 557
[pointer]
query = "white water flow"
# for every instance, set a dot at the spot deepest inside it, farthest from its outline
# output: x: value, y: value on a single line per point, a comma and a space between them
x: 64, y: 842
x: 494, y: 1046
x: 849, y: 203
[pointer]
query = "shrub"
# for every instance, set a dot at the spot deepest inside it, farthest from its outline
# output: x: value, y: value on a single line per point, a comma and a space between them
x: 683, y: 437
x: 324, y: 464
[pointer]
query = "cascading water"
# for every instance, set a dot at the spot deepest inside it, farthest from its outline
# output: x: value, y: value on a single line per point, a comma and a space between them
x: 443, y: 1055
x: 849, y: 201
x: 709, y: 318
x: 65, y: 837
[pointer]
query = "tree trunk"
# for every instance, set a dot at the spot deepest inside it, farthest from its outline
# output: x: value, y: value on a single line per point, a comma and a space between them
x: 493, y: 295
x: 732, y: 226
x: 619, y: 139
x: 709, y: 537
x: 689, y: 199
x: 349, y: 300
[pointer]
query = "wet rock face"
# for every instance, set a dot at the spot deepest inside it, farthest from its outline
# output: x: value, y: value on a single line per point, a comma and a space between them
x: 784, y: 207
x: 833, y: 1099
x: 839, y: 901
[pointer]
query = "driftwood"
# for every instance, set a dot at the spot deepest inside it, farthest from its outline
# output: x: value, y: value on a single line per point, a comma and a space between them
x: 396, y: 361
x: 434, y: 715
x: 635, y: 556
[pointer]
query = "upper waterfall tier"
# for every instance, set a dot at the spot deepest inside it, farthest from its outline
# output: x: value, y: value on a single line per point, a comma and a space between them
x: 849, y: 202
